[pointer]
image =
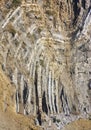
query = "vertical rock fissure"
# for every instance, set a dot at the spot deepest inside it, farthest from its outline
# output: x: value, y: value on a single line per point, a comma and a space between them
x: 64, y: 102
x: 56, y: 95
x: 25, y: 96
x: 76, y: 10
x: 44, y: 105
x: 84, y: 4
x: 17, y: 101
x: 44, y: 91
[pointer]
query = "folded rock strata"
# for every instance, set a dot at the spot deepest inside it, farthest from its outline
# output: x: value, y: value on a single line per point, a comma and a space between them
x: 45, y: 49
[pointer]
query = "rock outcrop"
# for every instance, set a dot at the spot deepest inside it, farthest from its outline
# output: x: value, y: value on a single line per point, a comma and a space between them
x: 45, y: 50
x: 8, y: 118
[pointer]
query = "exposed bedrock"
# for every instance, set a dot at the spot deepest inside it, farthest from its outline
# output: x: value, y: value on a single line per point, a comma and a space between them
x: 45, y: 49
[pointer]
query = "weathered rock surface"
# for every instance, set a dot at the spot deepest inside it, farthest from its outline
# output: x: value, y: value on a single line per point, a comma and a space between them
x: 45, y: 49
x: 9, y: 120
x: 79, y: 125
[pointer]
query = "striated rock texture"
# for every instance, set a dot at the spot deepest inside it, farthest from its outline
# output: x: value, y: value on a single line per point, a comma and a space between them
x: 9, y: 120
x: 45, y: 49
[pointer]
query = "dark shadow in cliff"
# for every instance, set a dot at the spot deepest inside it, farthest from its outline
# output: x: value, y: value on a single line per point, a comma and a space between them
x: 76, y: 11
x: 55, y: 104
x: 25, y: 93
x: 64, y: 97
x: 89, y: 84
x: 44, y: 105
x: 37, y: 99
x: 39, y: 117
x: 84, y: 4
x: 78, y: 28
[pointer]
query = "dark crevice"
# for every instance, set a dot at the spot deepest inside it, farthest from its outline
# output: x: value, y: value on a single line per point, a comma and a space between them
x: 55, y: 103
x: 18, y: 97
x: 49, y: 107
x: 55, y: 100
x: 39, y: 117
x: 3, y: 67
x: 89, y: 84
x: 81, y: 25
x: 25, y: 93
x: 84, y: 4
x: 73, y: 108
x: 89, y: 8
x: 44, y: 105
x: 76, y: 11
x: 65, y: 97
x: 10, y: 73
x: 62, y: 95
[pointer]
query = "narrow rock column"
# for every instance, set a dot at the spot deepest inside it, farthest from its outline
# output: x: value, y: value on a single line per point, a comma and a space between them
x: 34, y: 91
x: 49, y: 91
x: 15, y: 78
x: 43, y: 81
x: 17, y: 93
x: 46, y: 85
x: 21, y: 107
x: 29, y: 97
x: 53, y: 104
x: 22, y: 87
x: 39, y: 88
x: 56, y: 93
x: 17, y: 102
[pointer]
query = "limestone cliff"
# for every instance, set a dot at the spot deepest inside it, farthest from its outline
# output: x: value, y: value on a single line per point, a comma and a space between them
x: 45, y: 50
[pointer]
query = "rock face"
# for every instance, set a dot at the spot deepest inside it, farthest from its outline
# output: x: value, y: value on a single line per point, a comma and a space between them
x: 45, y: 49
x: 8, y: 118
